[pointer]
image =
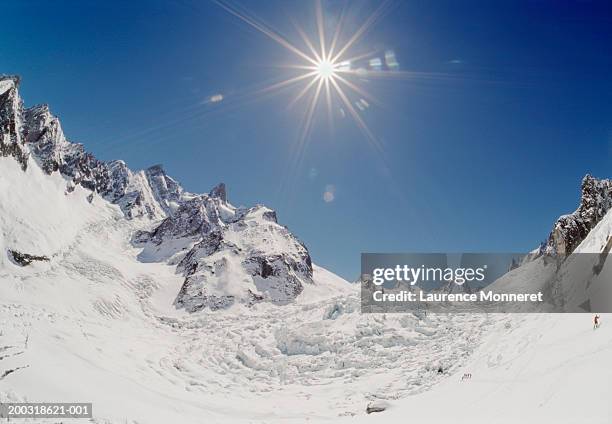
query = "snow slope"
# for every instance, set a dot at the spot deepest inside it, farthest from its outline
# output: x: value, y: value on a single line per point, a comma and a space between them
x: 529, y: 368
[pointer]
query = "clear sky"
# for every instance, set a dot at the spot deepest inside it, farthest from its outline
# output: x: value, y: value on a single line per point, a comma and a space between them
x: 496, y: 112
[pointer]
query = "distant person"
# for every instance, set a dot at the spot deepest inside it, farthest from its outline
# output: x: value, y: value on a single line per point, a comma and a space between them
x: 596, y: 322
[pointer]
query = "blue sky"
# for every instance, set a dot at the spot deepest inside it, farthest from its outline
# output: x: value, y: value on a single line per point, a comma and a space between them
x: 481, y: 155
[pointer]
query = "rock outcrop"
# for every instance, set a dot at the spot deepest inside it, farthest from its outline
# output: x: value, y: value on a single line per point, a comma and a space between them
x: 569, y: 230
x: 234, y: 255
x: 378, y: 405
x: 25, y: 259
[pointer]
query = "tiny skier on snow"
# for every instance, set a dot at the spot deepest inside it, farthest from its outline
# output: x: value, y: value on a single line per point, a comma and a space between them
x: 596, y: 322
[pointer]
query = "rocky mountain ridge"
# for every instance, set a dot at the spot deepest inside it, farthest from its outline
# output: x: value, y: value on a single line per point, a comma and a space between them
x: 571, y: 229
x: 226, y: 254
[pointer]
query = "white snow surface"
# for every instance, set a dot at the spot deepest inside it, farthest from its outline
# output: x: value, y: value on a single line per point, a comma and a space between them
x: 96, y: 324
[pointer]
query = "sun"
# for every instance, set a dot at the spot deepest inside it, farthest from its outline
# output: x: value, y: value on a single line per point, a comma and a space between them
x: 326, y: 69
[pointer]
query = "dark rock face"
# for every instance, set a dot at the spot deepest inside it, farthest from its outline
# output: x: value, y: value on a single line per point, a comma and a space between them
x: 210, y: 243
x: 24, y: 259
x: 226, y: 254
x: 119, y: 176
x: 270, y: 216
x: 569, y: 230
x: 377, y: 406
x: 193, y: 217
x: 45, y: 138
x: 219, y: 191
x: 42, y: 132
x: 85, y: 169
x: 10, y: 130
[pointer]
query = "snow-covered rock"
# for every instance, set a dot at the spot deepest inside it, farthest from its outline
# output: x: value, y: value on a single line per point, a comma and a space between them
x: 569, y: 230
x: 377, y: 406
x: 246, y: 257
x: 10, y: 121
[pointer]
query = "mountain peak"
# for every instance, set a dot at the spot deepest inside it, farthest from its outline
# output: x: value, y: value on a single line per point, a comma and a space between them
x: 219, y: 191
x: 12, y: 80
x: 156, y: 170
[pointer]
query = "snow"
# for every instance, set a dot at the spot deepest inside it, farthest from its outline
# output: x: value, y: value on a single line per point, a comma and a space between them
x: 536, y: 368
x: 23, y: 215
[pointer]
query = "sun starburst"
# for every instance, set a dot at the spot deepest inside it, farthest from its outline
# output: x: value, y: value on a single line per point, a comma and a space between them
x: 328, y: 72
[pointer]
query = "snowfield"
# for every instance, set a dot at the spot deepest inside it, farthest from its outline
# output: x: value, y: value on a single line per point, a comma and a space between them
x: 95, y: 324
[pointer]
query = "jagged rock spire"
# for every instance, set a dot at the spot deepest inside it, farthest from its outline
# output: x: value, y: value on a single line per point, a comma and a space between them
x: 219, y: 192
x: 11, y: 143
